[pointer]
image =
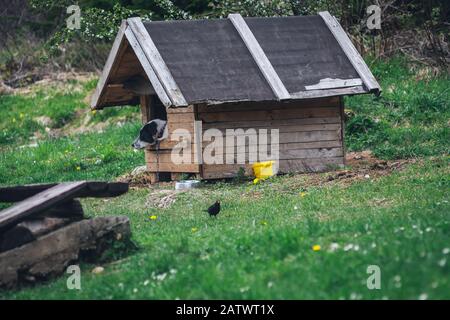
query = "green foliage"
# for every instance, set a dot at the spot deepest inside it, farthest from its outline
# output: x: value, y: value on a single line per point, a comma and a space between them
x: 410, y: 119
x: 99, y: 21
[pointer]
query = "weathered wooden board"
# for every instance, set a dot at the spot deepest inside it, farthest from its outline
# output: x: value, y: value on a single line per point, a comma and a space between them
x: 318, y: 112
x: 280, y: 128
x: 329, y: 92
x: 269, y: 105
x: 157, y: 63
x: 148, y: 68
x: 95, y: 189
x: 300, y: 123
x: 118, y: 48
x: 288, y: 154
x: 39, y: 203
x: 50, y: 254
x: 50, y: 197
x: 329, y: 83
x: 29, y: 230
x: 171, y: 167
x: 285, y: 166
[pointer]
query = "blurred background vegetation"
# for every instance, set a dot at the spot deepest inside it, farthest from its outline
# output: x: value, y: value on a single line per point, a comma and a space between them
x: 35, y: 41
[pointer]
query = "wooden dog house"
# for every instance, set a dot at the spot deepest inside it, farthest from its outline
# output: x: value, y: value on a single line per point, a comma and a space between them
x: 288, y: 73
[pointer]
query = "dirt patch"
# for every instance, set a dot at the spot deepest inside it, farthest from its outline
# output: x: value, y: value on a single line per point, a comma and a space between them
x: 136, y: 180
x: 64, y: 81
x: 162, y: 199
x: 359, y: 166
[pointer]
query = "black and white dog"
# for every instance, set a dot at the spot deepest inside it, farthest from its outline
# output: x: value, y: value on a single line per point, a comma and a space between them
x: 151, y: 133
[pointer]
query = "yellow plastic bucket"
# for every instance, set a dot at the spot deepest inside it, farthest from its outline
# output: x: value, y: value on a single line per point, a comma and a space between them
x: 263, y: 170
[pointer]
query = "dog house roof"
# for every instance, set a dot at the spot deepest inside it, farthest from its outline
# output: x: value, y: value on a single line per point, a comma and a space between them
x: 232, y: 60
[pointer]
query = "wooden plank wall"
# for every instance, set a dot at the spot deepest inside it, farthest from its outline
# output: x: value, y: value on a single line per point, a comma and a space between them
x: 310, y: 133
x: 177, y: 118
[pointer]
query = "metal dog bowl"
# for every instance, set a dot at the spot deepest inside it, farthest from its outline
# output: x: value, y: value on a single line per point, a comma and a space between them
x: 186, y: 184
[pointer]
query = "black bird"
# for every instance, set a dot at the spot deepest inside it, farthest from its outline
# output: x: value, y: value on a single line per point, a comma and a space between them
x: 214, y: 209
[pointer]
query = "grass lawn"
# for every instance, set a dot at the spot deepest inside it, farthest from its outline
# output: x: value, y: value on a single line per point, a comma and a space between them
x: 261, y: 244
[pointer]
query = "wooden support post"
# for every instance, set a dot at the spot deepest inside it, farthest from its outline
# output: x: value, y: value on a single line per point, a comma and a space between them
x: 145, y: 109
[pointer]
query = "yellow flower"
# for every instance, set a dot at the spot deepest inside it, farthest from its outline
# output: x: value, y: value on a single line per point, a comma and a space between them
x: 302, y: 194
x: 316, y: 247
x: 255, y: 181
x: 94, y: 111
x: 194, y: 229
x: 78, y: 168
x: 153, y: 217
x: 264, y: 223
x: 21, y: 115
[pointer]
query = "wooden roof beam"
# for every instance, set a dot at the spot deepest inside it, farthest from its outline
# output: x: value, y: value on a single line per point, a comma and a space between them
x: 113, y: 58
x: 259, y: 56
x: 349, y: 49
x: 148, y: 69
x: 157, y: 63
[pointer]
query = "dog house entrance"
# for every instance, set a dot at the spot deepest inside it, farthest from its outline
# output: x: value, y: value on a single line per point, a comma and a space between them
x: 152, y: 108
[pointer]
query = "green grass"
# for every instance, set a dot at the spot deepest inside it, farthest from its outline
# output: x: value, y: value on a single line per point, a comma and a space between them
x: 410, y: 119
x: 260, y: 246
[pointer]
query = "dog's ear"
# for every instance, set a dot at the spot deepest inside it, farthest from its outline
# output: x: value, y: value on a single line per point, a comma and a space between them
x: 148, y: 132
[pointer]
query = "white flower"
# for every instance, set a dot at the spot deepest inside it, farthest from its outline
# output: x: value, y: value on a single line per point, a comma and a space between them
x: 423, y: 296
x: 348, y: 247
x: 146, y: 282
x: 334, y: 246
x: 442, y: 262
x: 161, y: 277
x: 446, y: 251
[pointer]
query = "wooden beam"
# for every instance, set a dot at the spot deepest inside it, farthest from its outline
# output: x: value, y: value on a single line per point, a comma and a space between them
x: 310, y: 94
x: 145, y: 109
x: 139, y: 85
x: 94, y: 189
x: 113, y: 57
x: 329, y: 83
x: 157, y: 62
x: 39, y: 202
x: 349, y: 49
x: 28, y: 231
x: 259, y: 56
x: 152, y: 77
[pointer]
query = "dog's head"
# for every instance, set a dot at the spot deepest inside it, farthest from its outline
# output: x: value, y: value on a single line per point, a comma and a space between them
x: 148, y: 136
